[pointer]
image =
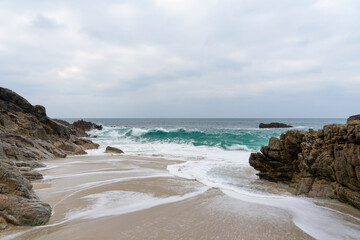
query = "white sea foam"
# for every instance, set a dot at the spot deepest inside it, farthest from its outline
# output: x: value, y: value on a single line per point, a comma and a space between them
x: 112, y: 203
x: 312, y: 219
x: 318, y: 222
x: 230, y: 172
x: 137, y: 132
x: 237, y: 147
x: 81, y: 174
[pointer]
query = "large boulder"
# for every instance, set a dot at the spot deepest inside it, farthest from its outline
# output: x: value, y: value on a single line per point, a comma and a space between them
x: 113, y: 150
x: 323, y: 163
x: 70, y: 147
x: 18, y: 203
x: 85, y: 143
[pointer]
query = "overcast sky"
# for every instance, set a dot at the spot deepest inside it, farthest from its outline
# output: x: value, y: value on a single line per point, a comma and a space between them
x: 183, y: 58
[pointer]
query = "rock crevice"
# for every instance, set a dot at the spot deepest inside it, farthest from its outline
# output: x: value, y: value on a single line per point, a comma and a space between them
x: 28, y: 135
x: 323, y: 163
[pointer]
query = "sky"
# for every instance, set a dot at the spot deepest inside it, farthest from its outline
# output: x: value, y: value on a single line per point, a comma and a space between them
x: 183, y: 58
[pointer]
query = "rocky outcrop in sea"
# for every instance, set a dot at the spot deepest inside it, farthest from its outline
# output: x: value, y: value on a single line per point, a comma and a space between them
x: 28, y: 135
x: 274, y: 125
x: 322, y: 163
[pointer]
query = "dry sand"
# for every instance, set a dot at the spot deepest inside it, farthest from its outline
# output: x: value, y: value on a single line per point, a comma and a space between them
x: 122, y: 197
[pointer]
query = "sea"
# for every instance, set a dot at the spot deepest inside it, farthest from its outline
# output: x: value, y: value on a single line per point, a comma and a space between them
x: 215, y: 152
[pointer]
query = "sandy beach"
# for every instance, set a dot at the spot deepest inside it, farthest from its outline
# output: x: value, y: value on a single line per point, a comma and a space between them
x: 127, y: 197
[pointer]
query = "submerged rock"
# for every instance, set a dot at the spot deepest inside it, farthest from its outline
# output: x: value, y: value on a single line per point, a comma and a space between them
x: 323, y: 163
x: 274, y: 125
x: 113, y: 150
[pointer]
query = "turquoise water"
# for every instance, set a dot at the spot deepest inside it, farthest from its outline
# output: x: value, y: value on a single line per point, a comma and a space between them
x: 215, y: 152
x: 228, y: 134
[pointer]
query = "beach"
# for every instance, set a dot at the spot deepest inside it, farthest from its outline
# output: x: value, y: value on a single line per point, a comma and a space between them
x: 124, y: 197
x: 179, y: 179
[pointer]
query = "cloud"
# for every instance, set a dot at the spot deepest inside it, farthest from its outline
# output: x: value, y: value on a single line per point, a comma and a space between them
x: 146, y: 58
x: 45, y: 22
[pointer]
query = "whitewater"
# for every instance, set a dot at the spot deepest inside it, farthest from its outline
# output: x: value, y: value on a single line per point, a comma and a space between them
x: 215, y: 152
x: 190, y: 177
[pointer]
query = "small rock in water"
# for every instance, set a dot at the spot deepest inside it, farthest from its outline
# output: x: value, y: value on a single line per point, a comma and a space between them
x: 274, y: 125
x: 113, y: 150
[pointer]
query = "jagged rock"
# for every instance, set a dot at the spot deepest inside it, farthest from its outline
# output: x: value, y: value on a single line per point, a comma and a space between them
x: 23, y: 211
x: 80, y: 127
x: 85, y: 143
x: 113, y: 150
x: 3, y: 223
x: 69, y: 147
x: 30, y: 174
x: 63, y: 122
x: 27, y: 136
x: 18, y: 116
x: 86, y: 126
x: 354, y: 119
x: 23, y: 148
x: 18, y: 203
x: 30, y: 163
x: 274, y: 125
x: 323, y: 163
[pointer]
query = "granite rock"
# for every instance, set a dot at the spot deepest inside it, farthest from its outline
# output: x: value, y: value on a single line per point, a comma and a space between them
x: 113, y: 150
x: 323, y: 163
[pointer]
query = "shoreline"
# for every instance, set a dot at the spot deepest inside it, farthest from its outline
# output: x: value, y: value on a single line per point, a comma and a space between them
x: 158, y: 204
x: 139, y: 193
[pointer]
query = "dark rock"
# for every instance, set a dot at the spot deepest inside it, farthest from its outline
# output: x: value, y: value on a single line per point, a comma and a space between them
x: 18, y: 203
x: 63, y: 122
x: 323, y: 163
x: 23, y: 148
x: 86, y: 126
x: 69, y: 147
x: 113, y: 150
x: 18, y: 116
x: 85, y: 143
x: 30, y: 174
x: 27, y: 136
x: 354, y: 119
x: 274, y: 125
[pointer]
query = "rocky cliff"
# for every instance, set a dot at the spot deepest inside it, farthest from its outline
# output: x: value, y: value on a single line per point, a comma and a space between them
x: 28, y: 135
x: 323, y: 163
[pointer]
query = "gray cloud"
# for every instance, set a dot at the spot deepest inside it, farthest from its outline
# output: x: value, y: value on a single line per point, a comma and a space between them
x: 183, y: 58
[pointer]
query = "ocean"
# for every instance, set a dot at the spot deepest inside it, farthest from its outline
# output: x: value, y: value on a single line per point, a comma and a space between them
x: 215, y: 153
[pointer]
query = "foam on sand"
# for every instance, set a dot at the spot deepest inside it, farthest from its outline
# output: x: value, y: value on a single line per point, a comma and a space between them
x: 112, y: 203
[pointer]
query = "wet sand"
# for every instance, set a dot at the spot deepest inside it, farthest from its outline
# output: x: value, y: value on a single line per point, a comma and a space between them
x: 123, y: 197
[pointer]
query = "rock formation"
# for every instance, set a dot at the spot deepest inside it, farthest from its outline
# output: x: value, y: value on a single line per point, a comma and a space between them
x: 323, y: 163
x: 354, y: 119
x: 28, y: 135
x: 18, y: 203
x: 113, y: 150
x: 274, y: 125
